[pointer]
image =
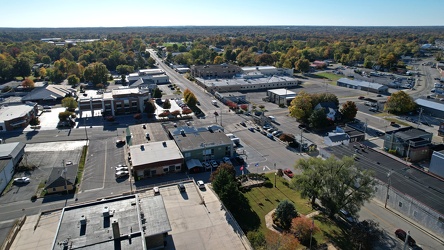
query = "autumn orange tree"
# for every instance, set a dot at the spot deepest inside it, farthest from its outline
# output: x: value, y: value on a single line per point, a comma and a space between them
x: 28, y: 83
x: 280, y: 241
x: 302, y: 227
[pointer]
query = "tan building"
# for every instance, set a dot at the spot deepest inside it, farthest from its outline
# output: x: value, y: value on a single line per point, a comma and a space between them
x: 156, y: 158
x: 117, y: 102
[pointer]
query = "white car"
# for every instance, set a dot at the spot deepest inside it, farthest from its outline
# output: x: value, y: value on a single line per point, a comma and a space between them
x: 206, y: 165
x: 22, y: 180
x: 156, y: 190
x: 200, y: 184
x: 214, y: 164
x: 121, y: 173
x: 121, y: 169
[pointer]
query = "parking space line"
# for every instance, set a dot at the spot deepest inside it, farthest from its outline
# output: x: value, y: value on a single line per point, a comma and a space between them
x: 104, y: 164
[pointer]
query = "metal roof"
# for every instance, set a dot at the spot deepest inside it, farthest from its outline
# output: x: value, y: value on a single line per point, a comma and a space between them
x: 430, y: 104
x: 365, y: 84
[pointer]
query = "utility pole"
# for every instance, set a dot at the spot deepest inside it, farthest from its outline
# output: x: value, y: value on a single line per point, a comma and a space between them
x: 64, y: 173
x: 406, y: 240
x: 408, y: 153
x: 419, y: 117
x: 388, y: 187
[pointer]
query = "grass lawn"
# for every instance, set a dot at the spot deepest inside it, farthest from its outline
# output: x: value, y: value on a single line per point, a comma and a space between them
x: 400, y: 122
x: 331, y: 76
x: 262, y: 200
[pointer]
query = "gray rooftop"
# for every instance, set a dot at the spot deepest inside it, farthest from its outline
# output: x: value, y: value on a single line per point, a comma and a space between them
x: 245, y: 82
x: 365, y: 84
x: 11, y: 150
x: 97, y: 232
x: 194, y: 138
x: 409, y: 133
x: 430, y: 104
x: 154, y: 152
x: 282, y: 92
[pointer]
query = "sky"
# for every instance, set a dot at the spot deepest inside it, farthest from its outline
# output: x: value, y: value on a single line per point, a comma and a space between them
x: 124, y: 13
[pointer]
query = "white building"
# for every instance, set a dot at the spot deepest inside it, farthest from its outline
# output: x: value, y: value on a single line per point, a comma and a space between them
x: 10, y: 156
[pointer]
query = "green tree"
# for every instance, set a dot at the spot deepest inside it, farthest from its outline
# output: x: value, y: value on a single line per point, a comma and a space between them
x: 124, y: 69
x: 22, y: 68
x: 157, y: 93
x: 73, y: 80
x: 349, y: 110
x: 218, y: 60
x: 96, y: 73
x: 400, y: 103
x: 70, y: 103
x: 166, y: 104
x: 285, y: 213
x: 151, y: 62
x: 301, y: 107
x: 190, y: 98
x: 150, y: 108
x: 46, y: 59
x: 338, y: 183
x: 226, y: 187
x: 302, y: 65
x: 42, y: 72
x: 64, y: 115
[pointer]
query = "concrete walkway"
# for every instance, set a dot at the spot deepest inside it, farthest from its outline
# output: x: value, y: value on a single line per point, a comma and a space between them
x: 269, y: 224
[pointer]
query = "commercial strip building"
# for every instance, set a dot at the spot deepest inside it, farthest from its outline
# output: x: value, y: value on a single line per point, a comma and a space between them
x: 409, y: 142
x: 203, y: 143
x: 125, y: 222
x: 280, y: 96
x: 231, y: 78
x: 117, y: 102
x: 156, y: 158
x: 50, y: 94
x: 431, y: 106
x: 362, y: 85
x: 154, y: 76
x: 17, y: 116
x: 10, y: 156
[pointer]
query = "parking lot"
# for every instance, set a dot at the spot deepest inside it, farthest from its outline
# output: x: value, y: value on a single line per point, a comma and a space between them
x: 44, y: 156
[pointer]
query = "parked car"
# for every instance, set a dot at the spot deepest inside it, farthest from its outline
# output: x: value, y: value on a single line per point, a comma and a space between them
x: 401, y: 234
x: 361, y: 97
x: 251, y: 129
x: 206, y: 165
x: 270, y: 136
x: 227, y: 160
x: 243, y: 124
x: 120, y: 142
x: 200, y: 184
x: 288, y: 173
x: 372, y: 109
x: 22, y: 180
x: 121, y: 169
x: 156, y: 190
x: 121, y: 174
x: 302, y: 126
x: 276, y: 132
x: 147, y: 135
x: 181, y: 187
x: 144, y: 126
x: 347, y: 216
x: 214, y: 163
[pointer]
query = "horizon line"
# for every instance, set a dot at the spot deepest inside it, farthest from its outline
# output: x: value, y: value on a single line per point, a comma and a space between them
x: 276, y: 25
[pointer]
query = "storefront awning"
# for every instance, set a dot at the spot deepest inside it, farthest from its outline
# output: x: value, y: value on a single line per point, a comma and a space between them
x: 192, y: 163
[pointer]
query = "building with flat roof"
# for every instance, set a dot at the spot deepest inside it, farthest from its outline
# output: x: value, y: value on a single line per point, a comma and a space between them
x: 114, y: 102
x: 156, y: 158
x: 202, y: 143
x: 362, y: 85
x: 247, y: 84
x: 280, y: 96
x: 17, y: 116
x: 266, y: 71
x: 409, y: 142
x: 437, y: 163
x: 124, y: 222
x: 215, y: 71
x: 10, y: 156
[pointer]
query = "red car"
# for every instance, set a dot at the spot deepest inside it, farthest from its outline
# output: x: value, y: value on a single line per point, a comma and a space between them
x: 401, y: 234
x: 288, y: 173
x: 361, y: 97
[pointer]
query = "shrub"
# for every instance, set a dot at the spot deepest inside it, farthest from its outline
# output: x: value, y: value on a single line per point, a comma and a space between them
x: 302, y: 227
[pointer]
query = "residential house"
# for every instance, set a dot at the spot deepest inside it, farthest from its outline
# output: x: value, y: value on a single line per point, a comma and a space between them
x: 62, y: 179
x: 335, y: 138
x: 411, y: 143
x: 330, y: 108
x: 10, y: 156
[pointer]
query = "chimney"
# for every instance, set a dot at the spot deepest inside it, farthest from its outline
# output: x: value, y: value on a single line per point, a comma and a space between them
x: 116, y: 230
x: 182, y: 132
